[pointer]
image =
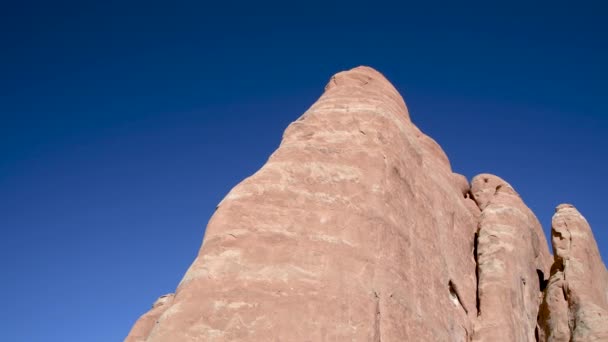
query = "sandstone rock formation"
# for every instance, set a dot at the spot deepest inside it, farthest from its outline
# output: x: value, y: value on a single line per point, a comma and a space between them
x: 575, y: 307
x: 512, y: 259
x: 356, y: 229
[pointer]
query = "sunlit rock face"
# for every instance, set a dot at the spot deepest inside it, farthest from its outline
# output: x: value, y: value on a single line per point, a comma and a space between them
x: 512, y: 261
x: 575, y: 306
x: 356, y: 229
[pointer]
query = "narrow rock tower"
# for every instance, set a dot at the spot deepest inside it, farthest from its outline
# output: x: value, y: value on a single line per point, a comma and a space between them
x: 356, y: 229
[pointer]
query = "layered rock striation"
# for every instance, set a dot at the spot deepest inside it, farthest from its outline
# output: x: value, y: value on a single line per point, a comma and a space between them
x: 357, y: 229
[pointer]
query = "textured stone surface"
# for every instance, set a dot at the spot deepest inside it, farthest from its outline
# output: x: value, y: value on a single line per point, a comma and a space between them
x: 145, y: 323
x: 356, y: 229
x: 575, y: 306
x: 513, y: 259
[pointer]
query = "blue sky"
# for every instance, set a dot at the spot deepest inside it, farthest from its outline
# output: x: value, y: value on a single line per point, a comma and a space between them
x: 123, y: 124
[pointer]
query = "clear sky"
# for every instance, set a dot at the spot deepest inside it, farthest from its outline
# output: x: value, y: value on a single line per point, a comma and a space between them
x: 123, y: 124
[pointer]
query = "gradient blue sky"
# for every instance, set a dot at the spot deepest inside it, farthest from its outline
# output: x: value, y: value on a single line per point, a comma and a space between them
x: 123, y: 125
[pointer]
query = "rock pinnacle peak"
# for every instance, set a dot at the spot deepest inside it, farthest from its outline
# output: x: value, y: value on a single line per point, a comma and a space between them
x: 357, y: 229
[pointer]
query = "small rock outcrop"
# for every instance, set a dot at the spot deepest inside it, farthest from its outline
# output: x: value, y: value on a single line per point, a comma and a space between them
x: 145, y: 323
x: 357, y: 229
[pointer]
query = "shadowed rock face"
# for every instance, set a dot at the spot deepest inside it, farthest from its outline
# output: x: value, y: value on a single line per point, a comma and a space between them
x: 357, y: 229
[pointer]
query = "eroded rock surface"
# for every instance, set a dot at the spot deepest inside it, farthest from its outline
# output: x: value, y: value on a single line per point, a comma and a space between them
x: 513, y: 258
x: 356, y: 229
x: 575, y: 306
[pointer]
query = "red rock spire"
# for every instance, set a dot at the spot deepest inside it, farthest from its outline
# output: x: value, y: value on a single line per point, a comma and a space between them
x: 356, y: 229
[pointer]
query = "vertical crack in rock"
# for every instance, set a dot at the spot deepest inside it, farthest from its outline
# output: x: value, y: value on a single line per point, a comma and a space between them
x: 541, y: 280
x: 475, y: 244
x: 377, y: 319
x: 542, y: 284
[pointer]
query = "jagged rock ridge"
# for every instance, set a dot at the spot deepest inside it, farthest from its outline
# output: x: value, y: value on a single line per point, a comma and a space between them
x: 357, y: 229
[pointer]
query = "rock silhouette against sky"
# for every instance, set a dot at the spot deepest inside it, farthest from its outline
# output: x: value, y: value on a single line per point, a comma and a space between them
x: 357, y: 229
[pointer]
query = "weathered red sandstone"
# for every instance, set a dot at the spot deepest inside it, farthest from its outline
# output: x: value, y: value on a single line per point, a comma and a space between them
x: 575, y: 306
x: 512, y: 261
x: 357, y: 229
